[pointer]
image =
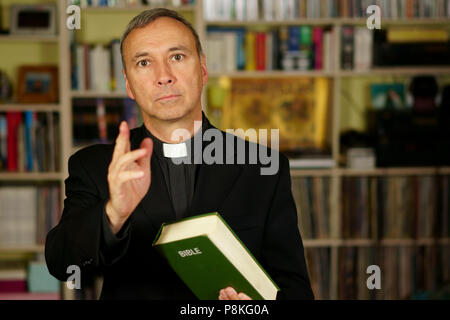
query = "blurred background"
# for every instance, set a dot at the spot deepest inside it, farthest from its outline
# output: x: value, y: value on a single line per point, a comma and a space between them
x: 363, y: 115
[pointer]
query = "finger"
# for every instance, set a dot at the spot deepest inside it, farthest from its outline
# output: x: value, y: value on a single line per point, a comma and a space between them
x: 144, y: 162
x: 130, y: 175
x: 129, y: 157
x: 121, y: 141
x: 243, y: 296
x: 231, y: 293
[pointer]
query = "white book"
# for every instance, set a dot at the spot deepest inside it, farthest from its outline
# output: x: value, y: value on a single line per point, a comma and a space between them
x: 252, y: 10
x: 100, y: 68
x: 312, y: 163
x: 240, y: 10
x: 268, y: 7
x: 290, y: 9
x: 213, y: 46
x: 81, y: 65
x: 229, y: 51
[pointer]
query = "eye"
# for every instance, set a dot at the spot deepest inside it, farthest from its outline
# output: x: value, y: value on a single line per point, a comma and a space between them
x: 178, y: 57
x: 143, y: 63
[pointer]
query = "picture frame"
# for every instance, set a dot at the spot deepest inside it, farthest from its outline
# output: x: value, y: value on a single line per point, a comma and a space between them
x: 37, y: 84
x: 29, y: 19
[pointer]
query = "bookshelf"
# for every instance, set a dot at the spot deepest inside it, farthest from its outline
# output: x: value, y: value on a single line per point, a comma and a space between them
x: 114, y: 21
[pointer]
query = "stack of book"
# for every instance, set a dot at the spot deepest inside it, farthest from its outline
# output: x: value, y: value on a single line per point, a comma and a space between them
x: 29, y: 141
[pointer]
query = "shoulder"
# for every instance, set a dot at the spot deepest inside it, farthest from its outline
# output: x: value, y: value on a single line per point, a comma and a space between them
x: 252, y: 155
x: 97, y: 155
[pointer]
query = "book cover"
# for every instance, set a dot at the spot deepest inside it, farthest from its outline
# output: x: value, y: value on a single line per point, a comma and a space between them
x: 208, y: 256
x: 387, y: 95
x: 297, y: 107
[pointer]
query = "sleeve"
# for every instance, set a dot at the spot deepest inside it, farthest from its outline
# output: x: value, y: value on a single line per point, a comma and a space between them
x: 78, y: 239
x: 114, y: 246
x: 283, y: 246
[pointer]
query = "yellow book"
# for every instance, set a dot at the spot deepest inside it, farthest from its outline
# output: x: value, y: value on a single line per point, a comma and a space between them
x: 250, y: 51
x: 411, y: 35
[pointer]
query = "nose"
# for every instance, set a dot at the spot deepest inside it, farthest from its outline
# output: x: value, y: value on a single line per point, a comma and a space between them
x: 164, y: 76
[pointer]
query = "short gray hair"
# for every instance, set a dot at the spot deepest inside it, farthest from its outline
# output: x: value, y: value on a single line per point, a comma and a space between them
x: 146, y: 17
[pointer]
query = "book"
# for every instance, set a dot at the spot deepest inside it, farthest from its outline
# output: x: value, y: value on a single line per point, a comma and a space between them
x: 208, y: 256
x: 388, y: 95
x: 297, y: 107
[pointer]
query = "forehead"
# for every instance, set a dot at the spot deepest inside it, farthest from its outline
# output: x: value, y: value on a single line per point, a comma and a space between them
x: 160, y: 34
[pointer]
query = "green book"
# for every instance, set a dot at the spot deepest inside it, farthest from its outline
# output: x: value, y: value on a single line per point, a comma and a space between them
x: 208, y: 256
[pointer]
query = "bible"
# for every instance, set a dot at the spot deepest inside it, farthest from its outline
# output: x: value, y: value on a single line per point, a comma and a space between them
x: 208, y: 256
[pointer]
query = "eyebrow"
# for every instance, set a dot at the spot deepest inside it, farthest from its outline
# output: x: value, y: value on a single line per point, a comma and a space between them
x: 176, y: 48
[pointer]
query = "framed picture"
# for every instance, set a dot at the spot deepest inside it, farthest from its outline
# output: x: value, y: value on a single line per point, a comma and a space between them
x: 39, y: 19
x: 37, y: 84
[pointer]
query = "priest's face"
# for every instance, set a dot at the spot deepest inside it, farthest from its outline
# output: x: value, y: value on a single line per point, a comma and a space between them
x: 164, y: 72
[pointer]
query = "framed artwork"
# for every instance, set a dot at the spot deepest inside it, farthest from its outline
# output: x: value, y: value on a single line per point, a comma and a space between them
x: 37, y: 84
x: 37, y: 19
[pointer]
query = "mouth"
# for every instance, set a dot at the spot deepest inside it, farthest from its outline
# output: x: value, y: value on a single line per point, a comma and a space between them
x: 168, y: 97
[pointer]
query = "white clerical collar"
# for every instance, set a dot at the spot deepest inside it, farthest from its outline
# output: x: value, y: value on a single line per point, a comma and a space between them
x: 175, y: 150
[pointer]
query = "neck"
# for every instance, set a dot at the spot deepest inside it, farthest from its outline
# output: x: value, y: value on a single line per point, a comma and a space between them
x: 165, y: 130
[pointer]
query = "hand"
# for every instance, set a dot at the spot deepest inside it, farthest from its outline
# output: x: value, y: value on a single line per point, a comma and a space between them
x: 230, y: 294
x: 129, y: 177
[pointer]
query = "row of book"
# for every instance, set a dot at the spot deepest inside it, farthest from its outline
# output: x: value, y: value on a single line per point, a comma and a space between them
x: 395, y: 207
x: 375, y: 207
x: 286, y: 48
x: 130, y: 3
x: 406, y: 272
x: 312, y: 197
x: 97, y: 120
x: 280, y: 10
x: 97, y: 67
x: 318, y: 261
x: 22, y: 280
x: 29, y: 141
x: 27, y: 213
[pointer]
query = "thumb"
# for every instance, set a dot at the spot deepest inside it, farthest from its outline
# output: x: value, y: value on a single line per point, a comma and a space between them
x: 144, y: 162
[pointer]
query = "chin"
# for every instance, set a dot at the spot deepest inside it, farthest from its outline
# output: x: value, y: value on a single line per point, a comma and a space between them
x: 167, y: 113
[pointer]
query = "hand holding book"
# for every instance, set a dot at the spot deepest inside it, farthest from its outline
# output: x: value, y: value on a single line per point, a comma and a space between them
x: 231, y: 294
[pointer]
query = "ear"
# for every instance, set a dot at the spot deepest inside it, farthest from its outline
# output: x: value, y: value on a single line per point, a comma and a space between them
x: 127, y: 85
x: 204, y: 69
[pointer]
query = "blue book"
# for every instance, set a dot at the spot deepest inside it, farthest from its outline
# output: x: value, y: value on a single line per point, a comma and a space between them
x: 240, y: 45
x: 40, y: 280
x: 294, y: 38
x: 28, y: 140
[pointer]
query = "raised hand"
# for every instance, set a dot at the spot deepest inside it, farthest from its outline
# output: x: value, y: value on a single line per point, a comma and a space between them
x: 129, y: 177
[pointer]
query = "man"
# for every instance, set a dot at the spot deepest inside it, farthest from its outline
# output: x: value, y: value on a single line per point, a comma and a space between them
x: 118, y: 195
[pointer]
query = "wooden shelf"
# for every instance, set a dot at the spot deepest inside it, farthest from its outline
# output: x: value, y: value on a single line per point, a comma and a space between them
x: 28, y: 38
x: 99, y: 94
x: 30, y: 176
x: 30, y: 106
x: 315, y: 243
x: 273, y: 73
x: 327, y: 22
x: 389, y: 171
x: 312, y: 172
x: 411, y: 70
x: 23, y: 249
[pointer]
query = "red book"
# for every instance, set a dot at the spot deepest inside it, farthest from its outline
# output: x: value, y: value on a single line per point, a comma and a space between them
x: 30, y: 296
x: 260, y: 51
x: 13, y: 285
x: 318, y: 48
x: 13, y: 119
